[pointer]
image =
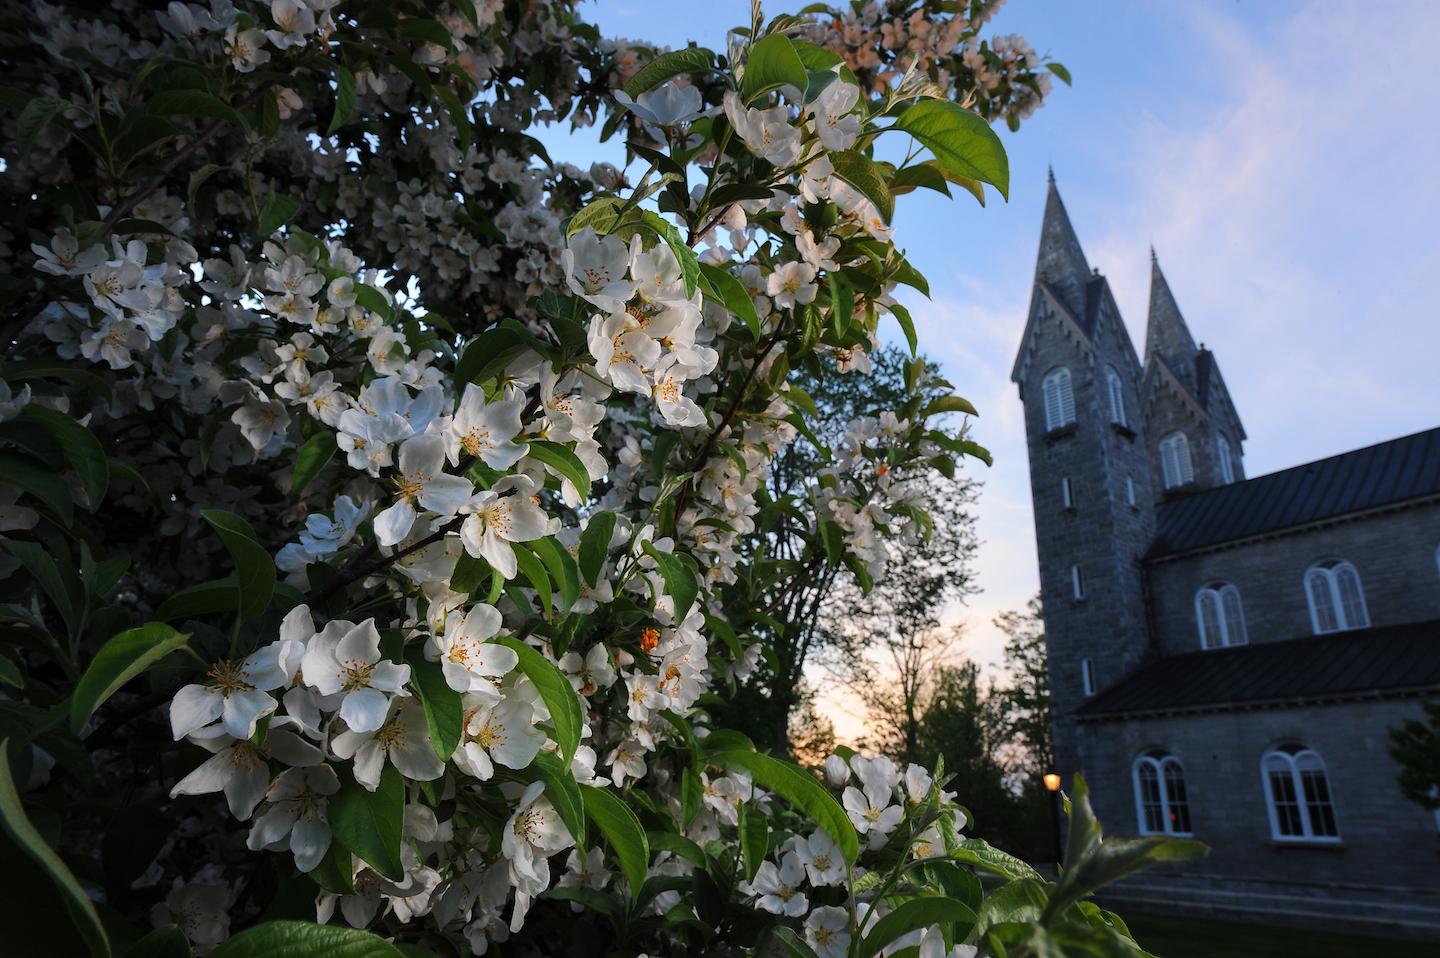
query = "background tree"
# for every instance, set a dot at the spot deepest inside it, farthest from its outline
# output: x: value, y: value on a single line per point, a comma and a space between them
x: 1416, y: 746
x: 1025, y: 696
x: 841, y: 620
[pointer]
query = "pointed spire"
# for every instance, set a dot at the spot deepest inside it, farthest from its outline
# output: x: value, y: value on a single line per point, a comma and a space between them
x: 1061, y: 262
x: 1166, y: 334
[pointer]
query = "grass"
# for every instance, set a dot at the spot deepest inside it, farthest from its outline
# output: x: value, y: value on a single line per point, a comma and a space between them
x: 1199, y: 938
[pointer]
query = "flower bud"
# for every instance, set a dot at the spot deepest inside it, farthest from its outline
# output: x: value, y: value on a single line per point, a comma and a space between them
x: 837, y: 773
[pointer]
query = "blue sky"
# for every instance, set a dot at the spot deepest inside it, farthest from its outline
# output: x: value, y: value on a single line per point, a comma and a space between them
x: 1281, y: 156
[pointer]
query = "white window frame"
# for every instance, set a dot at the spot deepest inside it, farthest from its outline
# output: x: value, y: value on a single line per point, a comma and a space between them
x: 1229, y: 616
x: 1225, y: 457
x: 1326, y: 577
x: 1057, y: 392
x: 1115, y: 391
x: 1067, y: 493
x: 1077, y: 582
x: 1158, y: 761
x: 1087, y: 677
x: 1176, y: 467
x: 1290, y: 755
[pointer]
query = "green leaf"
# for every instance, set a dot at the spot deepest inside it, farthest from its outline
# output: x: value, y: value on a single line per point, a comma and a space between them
x: 754, y: 839
x: 81, y: 450
x: 913, y: 915
x: 601, y: 215
x: 10, y: 674
x: 946, y: 404
x: 562, y: 568
x: 589, y: 898
x: 278, y: 210
x: 368, y: 297
x: 679, y: 580
x: 444, y: 713
x: 667, y: 65
x: 17, y: 825
x: 733, y: 295
x: 556, y: 692
x: 217, y: 595
x: 795, y: 946
x: 119, y: 660
x: 842, y: 304
x: 344, y: 97
x: 35, y: 118
x: 63, y: 588
x: 167, y: 941
x: 470, y: 574
x: 197, y: 179
x: 303, y: 939
x: 195, y: 103
x: 458, y: 116
x: 907, y: 325
x: 335, y: 873
x: 595, y: 545
x: 692, y: 793
x: 977, y: 852
x: 963, y: 143
x: 314, y: 456
x: 255, y: 570
x: 563, y: 792
x: 488, y: 354
x: 907, y: 179
x: 623, y: 831
x: 534, y: 571
x: 800, y: 789
x: 1059, y: 70
x: 772, y: 63
x: 371, y: 824
x: 865, y: 175
x: 563, y: 461
x: 39, y: 482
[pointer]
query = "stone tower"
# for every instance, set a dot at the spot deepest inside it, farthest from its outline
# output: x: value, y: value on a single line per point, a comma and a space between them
x: 1184, y: 394
x: 1091, y: 475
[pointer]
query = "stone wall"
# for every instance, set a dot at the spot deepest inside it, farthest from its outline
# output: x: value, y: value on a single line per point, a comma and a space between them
x: 1394, y: 552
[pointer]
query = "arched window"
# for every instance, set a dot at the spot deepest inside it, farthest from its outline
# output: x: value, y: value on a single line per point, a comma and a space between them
x: 1161, y: 803
x: 1059, y: 399
x: 1337, y: 602
x: 1175, y: 465
x: 1219, y: 616
x: 1297, y: 794
x: 1224, y: 457
x: 1115, y: 390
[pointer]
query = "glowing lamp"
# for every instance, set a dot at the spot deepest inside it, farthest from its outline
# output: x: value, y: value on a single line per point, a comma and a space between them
x: 1052, y: 782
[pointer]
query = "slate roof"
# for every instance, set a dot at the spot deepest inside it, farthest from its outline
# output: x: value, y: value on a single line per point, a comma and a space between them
x: 1394, y: 659
x: 1384, y: 474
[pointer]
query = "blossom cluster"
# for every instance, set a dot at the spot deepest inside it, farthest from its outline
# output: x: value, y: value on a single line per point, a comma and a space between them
x: 507, y: 450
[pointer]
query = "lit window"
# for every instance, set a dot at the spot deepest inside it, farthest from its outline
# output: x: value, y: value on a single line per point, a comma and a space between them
x: 1059, y: 399
x: 1077, y: 581
x: 1219, y: 616
x: 1130, y: 490
x: 1087, y: 677
x: 1175, y: 465
x: 1115, y: 390
x: 1161, y: 803
x: 1065, y: 493
x: 1223, y: 455
x: 1297, y: 794
x: 1337, y: 602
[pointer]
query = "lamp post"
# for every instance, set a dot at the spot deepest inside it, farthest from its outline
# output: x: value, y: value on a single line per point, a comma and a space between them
x: 1052, y: 785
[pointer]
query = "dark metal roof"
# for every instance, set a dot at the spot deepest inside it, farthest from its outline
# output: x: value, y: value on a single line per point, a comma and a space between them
x: 1380, y: 475
x: 1391, y: 659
